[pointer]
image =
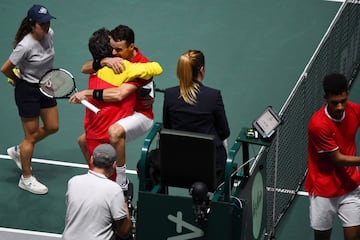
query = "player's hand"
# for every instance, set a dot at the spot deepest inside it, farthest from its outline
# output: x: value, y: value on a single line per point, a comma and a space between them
x: 78, y: 97
x: 12, y: 81
x: 115, y: 63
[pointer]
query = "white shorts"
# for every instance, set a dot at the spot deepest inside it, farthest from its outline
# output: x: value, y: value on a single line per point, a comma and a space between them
x: 136, y: 125
x: 324, y: 210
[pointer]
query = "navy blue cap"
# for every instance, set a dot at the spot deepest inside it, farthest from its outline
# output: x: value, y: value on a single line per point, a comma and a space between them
x: 39, y: 13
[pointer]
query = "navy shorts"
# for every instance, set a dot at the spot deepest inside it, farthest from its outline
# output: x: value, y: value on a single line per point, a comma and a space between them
x: 30, y: 100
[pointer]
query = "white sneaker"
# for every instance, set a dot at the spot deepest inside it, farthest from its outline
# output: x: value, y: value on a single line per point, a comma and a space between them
x: 14, y: 153
x: 32, y: 185
x: 124, y: 185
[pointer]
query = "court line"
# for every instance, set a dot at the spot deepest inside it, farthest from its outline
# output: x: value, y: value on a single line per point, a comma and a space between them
x: 61, y: 163
x: 287, y: 191
x: 302, y: 193
x: 134, y: 172
x: 28, y: 232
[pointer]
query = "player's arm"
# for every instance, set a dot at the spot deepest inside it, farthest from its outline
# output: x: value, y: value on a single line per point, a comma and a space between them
x: 7, y: 70
x: 123, y: 226
x: 143, y: 70
x: 87, y: 68
x: 115, y: 63
x: 139, y: 72
x: 341, y: 159
x: 119, y: 93
x: 108, y: 94
x: 132, y: 71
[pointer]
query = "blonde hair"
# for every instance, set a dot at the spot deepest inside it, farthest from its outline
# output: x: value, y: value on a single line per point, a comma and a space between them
x: 188, y: 68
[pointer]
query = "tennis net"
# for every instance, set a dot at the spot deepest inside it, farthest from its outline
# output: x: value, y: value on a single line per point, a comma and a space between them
x: 338, y: 51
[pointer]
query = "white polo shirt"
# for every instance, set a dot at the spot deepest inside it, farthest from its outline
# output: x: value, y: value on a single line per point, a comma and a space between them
x: 93, y: 202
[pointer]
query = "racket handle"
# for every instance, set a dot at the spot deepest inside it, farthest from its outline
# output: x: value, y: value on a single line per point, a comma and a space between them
x: 90, y: 106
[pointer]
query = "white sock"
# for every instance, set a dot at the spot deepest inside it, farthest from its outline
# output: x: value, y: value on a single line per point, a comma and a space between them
x: 121, y: 174
x: 26, y: 180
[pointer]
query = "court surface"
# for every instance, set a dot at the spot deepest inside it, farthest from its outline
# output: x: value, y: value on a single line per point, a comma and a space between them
x: 255, y: 51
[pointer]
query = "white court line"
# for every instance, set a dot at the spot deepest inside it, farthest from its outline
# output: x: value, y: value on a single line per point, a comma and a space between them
x: 33, y: 233
x: 60, y: 163
x: 302, y: 193
x: 49, y: 162
x: 78, y: 165
x: 287, y: 191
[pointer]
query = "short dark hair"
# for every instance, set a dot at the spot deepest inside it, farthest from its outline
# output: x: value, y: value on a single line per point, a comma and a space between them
x: 335, y: 84
x: 99, y: 44
x: 123, y: 32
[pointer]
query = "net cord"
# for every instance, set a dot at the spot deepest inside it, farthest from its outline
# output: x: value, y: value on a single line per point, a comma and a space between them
x: 312, y: 59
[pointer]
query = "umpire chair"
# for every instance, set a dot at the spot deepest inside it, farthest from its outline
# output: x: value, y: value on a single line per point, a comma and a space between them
x: 187, y: 162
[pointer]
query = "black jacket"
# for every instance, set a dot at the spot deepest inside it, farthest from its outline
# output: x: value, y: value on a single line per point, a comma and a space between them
x: 207, y: 115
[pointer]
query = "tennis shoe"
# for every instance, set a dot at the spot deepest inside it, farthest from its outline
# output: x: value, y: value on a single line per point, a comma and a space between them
x: 32, y: 185
x: 124, y: 185
x: 14, y: 153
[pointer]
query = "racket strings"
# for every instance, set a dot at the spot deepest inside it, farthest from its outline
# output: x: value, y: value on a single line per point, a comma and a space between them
x: 57, y: 83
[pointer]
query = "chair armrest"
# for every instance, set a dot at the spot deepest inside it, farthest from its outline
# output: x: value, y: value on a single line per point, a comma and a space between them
x: 229, y: 167
x: 144, y: 152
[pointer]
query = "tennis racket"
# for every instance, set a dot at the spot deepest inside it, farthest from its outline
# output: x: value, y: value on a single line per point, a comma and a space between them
x: 59, y: 83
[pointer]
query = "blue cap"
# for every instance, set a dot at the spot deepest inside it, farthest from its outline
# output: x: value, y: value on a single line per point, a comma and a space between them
x: 39, y: 13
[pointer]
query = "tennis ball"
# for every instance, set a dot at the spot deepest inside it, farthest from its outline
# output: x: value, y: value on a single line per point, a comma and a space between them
x: 10, y: 81
x: 17, y: 73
